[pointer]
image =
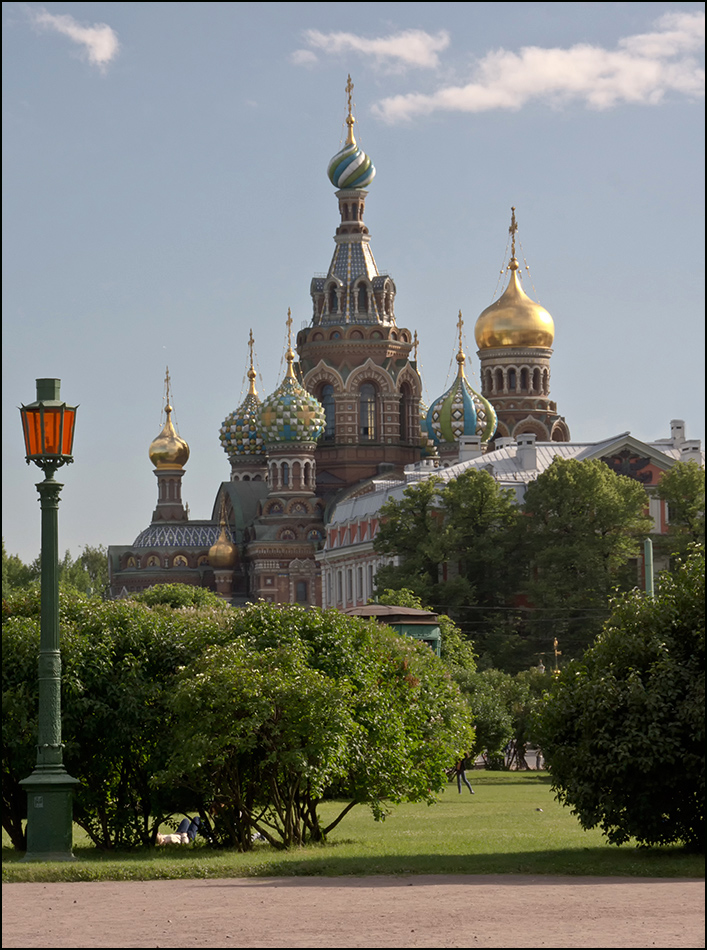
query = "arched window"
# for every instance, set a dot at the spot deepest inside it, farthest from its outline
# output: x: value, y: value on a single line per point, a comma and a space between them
x: 511, y: 380
x: 489, y: 381
x: 362, y: 299
x: 301, y: 595
x: 368, y: 412
x: 536, y: 380
x: 285, y: 475
x: 546, y: 382
x: 499, y: 381
x: 333, y: 303
x: 326, y: 398
x: 524, y: 380
x: 405, y: 413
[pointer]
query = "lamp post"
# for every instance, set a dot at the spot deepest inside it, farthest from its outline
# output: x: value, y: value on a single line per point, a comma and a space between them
x: 48, y: 426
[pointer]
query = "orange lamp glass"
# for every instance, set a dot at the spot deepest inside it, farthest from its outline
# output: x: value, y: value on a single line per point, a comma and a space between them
x: 48, y: 426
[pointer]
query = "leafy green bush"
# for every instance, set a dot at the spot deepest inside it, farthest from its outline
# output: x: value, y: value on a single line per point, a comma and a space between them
x: 624, y: 730
x: 301, y: 699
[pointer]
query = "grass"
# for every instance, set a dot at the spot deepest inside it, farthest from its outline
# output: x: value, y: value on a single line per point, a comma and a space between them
x: 512, y: 825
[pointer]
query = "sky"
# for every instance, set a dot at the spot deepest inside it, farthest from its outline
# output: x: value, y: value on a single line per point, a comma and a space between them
x: 165, y: 191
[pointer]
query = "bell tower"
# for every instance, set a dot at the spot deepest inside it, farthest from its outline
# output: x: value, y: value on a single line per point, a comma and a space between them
x: 353, y: 357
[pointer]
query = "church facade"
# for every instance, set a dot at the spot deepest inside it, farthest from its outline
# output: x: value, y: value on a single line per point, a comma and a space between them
x: 347, y: 416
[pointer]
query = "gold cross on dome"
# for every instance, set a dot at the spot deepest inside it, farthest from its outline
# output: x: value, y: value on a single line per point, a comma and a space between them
x: 512, y: 231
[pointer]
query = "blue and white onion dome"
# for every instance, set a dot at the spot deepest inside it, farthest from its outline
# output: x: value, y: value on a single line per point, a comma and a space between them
x: 240, y: 433
x: 291, y: 414
x: 351, y: 167
x: 460, y: 411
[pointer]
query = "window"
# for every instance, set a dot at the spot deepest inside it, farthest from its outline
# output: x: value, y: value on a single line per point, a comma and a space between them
x: 511, y: 380
x: 332, y: 300
x: 301, y: 594
x: 368, y: 412
x: 405, y: 413
x: 285, y: 475
x: 362, y: 299
x: 327, y: 400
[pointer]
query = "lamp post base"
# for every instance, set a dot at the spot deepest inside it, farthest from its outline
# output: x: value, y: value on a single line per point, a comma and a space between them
x: 49, y: 814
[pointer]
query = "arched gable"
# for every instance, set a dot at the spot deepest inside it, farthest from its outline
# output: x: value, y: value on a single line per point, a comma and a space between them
x: 370, y: 372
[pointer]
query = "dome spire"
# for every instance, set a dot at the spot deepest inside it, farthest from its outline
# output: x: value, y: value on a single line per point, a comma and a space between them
x: 289, y: 355
x: 252, y: 391
x: 512, y: 231
x: 350, y: 138
x: 461, y: 357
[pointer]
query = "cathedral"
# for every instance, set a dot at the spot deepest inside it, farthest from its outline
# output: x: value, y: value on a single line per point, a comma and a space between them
x: 347, y: 418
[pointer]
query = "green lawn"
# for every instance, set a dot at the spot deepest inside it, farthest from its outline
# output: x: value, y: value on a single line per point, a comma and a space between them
x: 512, y: 825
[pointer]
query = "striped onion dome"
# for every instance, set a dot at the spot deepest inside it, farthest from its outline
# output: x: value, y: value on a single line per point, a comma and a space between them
x: 460, y: 411
x: 351, y: 167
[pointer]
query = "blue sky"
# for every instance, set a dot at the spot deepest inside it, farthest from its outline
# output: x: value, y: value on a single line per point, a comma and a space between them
x: 165, y: 190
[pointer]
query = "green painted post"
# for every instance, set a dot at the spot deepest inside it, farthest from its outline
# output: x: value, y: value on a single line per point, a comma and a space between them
x: 648, y: 567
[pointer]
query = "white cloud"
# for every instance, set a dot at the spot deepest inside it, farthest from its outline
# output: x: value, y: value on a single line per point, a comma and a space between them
x: 303, y: 57
x: 409, y: 48
x: 642, y: 69
x: 99, y: 42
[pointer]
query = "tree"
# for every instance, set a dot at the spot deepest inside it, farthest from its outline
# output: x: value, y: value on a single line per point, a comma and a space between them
x: 624, y: 730
x: 683, y: 488
x: 583, y: 524
x: 87, y: 573
x: 120, y: 660
x: 455, y: 544
x: 406, y: 530
x: 15, y: 573
x: 301, y: 699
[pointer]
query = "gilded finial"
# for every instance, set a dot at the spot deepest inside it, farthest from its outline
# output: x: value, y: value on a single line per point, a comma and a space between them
x: 415, y: 344
x: 289, y: 356
x: 167, y: 382
x: 461, y: 358
x: 350, y: 140
x: 251, y: 374
x: 513, y: 263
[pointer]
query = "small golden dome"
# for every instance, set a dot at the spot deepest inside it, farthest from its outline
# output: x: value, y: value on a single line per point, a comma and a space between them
x: 168, y: 450
x: 514, y: 319
x: 222, y: 554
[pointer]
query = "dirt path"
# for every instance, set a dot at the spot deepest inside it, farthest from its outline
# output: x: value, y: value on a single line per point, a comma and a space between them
x: 430, y: 911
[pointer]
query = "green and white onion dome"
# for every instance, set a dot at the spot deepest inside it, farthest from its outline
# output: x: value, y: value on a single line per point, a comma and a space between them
x: 460, y: 411
x: 351, y: 167
x: 241, y: 433
x: 291, y: 414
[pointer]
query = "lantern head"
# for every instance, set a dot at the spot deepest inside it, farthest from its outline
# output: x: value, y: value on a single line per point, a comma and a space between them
x: 48, y: 427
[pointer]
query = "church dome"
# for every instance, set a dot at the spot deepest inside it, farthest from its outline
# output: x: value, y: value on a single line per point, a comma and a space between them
x: 460, y: 411
x: 168, y: 450
x: 240, y: 434
x: 291, y: 414
x: 351, y: 167
x: 223, y: 553
x: 514, y: 319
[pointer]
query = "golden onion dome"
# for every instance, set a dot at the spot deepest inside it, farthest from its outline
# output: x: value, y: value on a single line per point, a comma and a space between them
x: 168, y: 450
x: 514, y: 319
x: 222, y: 554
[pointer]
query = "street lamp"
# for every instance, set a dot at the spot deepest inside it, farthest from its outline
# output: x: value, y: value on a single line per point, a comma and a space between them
x: 48, y: 426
